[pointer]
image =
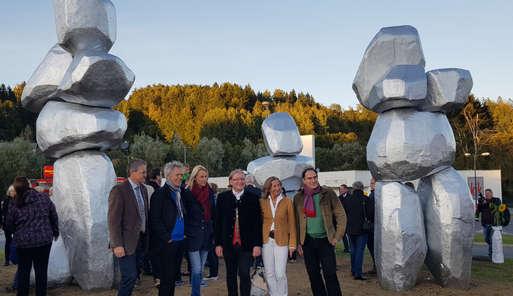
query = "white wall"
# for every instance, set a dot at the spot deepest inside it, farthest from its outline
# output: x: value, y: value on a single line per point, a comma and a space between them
x: 492, y: 179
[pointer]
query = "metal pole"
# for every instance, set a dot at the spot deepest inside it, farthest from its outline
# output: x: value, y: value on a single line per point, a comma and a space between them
x: 475, y: 171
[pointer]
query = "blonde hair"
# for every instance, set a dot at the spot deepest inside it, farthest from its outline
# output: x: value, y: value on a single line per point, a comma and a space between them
x: 10, y: 190
x: 194, y: 173
x: 235, y: 172
x: 267, y: 186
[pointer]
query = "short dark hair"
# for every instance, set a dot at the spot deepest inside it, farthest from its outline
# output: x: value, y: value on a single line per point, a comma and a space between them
x: 154, y: 173
x: 343, y: 185
x: 308, y: 169
x: 490, y: 190
x: 135, y: 165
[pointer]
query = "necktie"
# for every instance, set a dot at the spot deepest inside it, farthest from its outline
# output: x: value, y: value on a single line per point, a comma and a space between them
x: 140, y: 206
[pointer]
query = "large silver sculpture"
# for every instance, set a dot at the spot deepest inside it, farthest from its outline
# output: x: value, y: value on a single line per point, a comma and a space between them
x: 283, y: 143
x: 400, y: 229
x: 74, y: 88
x: 448, y: 210
x: 415, y: 141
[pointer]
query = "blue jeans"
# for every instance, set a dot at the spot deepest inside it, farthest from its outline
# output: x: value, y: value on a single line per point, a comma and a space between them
x: 358, y: 243
x: 487, y: 233
x: 197, y: 259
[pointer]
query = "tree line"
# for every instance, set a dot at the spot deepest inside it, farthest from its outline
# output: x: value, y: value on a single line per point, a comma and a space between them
x: 219, y: 126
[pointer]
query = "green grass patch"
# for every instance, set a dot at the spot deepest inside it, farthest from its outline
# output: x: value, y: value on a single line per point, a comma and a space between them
x: 485, y: 270
x: 507, y: 239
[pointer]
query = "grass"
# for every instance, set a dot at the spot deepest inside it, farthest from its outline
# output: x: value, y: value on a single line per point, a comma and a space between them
x: 507, y: 239
x: 484, y: 270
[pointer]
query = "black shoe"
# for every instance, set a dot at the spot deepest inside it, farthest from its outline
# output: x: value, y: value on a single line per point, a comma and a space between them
x: 347, y: 251
x: 372, y: 272
x: 360, y: 278
x: 6, y: 264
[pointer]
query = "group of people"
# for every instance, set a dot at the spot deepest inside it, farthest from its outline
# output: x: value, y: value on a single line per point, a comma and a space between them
x: 159, y: 224
x: 240, y: 225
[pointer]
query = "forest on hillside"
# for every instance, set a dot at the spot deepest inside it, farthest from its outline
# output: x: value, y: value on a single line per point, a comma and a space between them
x: 219, y: 126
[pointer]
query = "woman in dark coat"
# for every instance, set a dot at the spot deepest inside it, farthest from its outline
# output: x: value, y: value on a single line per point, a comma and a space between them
x: 199, y: 227
x: 33, y: 220
x: 6, y: 204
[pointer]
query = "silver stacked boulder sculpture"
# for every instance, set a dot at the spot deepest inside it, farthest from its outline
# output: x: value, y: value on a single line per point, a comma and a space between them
x: 412, y: 139
x: 74, y: 89
x: 283, y: 142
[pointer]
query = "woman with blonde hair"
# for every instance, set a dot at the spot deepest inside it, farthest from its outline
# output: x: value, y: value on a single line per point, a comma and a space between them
x: 199, y: 226
x: 279, y: 235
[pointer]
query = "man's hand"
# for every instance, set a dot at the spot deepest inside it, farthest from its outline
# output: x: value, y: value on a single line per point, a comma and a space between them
x: 219, y: 251
x: 299, y: 250
x: 257, y: 251
x: 334, y: 242
x: 119, y: 252
x: 291, y: 251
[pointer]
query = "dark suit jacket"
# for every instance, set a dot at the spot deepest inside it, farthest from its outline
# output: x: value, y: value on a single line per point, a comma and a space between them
x: 123, y: 217
x: 250, y: 220
x: 199, y: 232
x: 163, y: 213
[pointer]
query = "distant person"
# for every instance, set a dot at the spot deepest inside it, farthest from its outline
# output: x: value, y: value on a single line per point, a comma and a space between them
x: 279, y: 235
x: 6, y: 203
x: 371, y: 217
x: 250, y: 185
x: 128, y: 225
x: 167, y: 216
x: 155, y: 180
x: 238, y: 232
x: 186, y: 173
x: 316, y: 209
x: 199, y: 224
x: 212, y: 259
x: 358, y: 227
x: 483, y: 209
x: 343, y: 195
x: 34, y: 222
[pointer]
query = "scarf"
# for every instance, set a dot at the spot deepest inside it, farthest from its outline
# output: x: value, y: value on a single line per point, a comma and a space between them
x: 309, y: 206
x: 202, y: 195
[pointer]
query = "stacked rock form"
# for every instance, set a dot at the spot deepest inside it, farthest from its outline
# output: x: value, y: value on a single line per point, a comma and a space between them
x: 283, y: 142
x: 413, y: 139
x: 74, y: 89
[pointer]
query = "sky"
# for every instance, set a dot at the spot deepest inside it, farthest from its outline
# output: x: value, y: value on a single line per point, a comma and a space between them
x: 309, y: 46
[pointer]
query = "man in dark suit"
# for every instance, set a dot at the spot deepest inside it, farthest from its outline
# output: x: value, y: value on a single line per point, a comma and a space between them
x: 167, y: 216
x: 238, y: 232
x: 128, y: 225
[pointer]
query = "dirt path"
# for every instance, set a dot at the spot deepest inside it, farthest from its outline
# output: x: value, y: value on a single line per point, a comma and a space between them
x: 298, y: 285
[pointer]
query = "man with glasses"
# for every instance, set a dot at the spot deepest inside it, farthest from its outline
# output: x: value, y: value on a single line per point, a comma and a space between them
x: 238, y: 232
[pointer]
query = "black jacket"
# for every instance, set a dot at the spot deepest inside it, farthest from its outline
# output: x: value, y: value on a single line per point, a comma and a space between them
x: 250, y: 220
x: 199, y: 233
x: 354, y: 206
x: 163, y: 214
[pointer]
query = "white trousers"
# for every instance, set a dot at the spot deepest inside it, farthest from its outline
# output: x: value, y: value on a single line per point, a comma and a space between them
x: 275, y: 263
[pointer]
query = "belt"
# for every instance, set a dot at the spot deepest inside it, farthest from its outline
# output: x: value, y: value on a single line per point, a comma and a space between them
x: 271, y: 234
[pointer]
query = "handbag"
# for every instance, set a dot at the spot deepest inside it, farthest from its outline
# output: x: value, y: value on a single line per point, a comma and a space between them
x: 258, y: 283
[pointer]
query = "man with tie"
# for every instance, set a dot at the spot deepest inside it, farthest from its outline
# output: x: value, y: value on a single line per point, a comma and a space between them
x: 128, y: 225
x: 238, y: 232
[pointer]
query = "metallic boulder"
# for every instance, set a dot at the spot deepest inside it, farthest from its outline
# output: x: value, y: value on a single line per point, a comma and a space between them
x: 449, y: 219
x: 287, y: 168
x: 101, y: 80
x: 82, y: 183
x: 391, y: 47
x: 448, y: 90
x: 85, y: 24
x: 45, y: 80
x: 406, y: 144
x: 403, y: 81
x: 281, y: 136
x: 62, y: 128
x: 399, y: 239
